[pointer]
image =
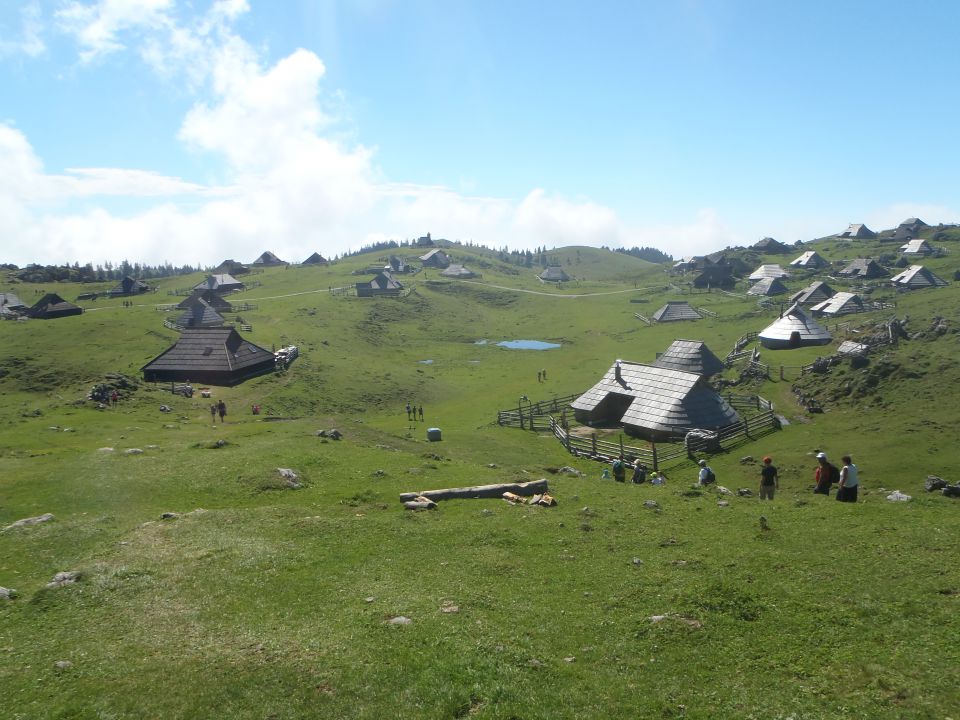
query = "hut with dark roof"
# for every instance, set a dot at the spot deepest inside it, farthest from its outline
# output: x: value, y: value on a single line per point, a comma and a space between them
x: 857, y: 231
x: 315, y: 259
x: 768, y: 271
x: 220, y: 283
x: 211, y: 298
x: 554, y: 273
x: 768, y: 287
x: 458, y: 272
x: 51, y: 306
x: 769, y: 246
x: 435, y: 258
x: 793, y: 329
x: 689, y: 356
x: 651, y: 402
x: 199, y: 313
x: 231, y: 267
x: 916, y: 277
x: 268, y: 259
x: 129, y: 286
x: 397, y: 264
x: 383, y: 284
x: 810, y: 259
x: 813, y: 293
x: 213, y: 356
x: 715, y: 276
x: 842, y: 303
x: 674, y: 311
x: 866, y: 268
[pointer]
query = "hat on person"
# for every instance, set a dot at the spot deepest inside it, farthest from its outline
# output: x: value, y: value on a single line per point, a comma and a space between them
x: 821, y: 456
x: 703, y: 463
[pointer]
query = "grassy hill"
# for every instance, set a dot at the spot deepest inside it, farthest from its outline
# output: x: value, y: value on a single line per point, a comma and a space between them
x: 260, y: 600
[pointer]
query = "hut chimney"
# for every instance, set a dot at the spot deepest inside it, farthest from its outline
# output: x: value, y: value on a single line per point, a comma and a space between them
x: 616, y: 372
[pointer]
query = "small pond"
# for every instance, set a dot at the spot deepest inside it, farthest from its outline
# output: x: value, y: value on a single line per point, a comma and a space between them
x: 528, y: 345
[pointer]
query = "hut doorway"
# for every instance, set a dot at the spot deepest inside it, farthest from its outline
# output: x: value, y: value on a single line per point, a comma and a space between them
x: 795, y: 339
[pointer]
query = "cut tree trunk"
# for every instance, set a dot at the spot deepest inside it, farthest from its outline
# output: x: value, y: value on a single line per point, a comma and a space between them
x: 480, y: 491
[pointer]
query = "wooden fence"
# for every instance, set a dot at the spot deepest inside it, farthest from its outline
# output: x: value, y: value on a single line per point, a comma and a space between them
x: 638, y: 316
x: 538, y: 417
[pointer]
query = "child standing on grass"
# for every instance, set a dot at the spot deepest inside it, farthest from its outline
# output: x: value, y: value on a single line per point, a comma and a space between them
x: 769, y: 479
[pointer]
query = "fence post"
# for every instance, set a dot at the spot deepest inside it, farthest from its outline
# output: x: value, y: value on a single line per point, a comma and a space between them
x: 593, y: 441
x: 653, y: 447
x: 781, y: 372
x: 621, y: 443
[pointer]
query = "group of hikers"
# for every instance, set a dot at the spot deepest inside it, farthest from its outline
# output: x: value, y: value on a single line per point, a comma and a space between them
x: 413, y: 411
x: 825, y: 475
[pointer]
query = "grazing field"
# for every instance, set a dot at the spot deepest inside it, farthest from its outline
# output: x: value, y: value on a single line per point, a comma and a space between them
x: 260, y: 600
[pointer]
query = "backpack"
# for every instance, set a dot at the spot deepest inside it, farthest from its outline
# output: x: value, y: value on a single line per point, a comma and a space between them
x: 834, y: 473
x: 711, y: 477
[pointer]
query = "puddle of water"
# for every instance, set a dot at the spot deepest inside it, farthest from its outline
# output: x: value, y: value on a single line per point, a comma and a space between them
x: 528, y: 345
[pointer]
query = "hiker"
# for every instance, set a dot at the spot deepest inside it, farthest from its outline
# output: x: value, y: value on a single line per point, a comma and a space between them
x: 421, y: 413
x: 538, y: 376
x: 408, y: 411
x: 706, y: 475
x: 639, y: 473
x: 619, y: 470
x: 769, y: 479
x: 849, y: 482
x: 544, y: 373
x: 114, y: 398
x: 213, y: 413
x: 221, y: 410
x: 658, y: 479
x: 825, y: 475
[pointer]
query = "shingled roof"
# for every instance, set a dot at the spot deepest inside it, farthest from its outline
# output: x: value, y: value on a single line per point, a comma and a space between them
x: 917, y: 276
x: 52, y: 306
x: 676, y: 310
x: 813, y: 293
x: 221, y: 282
x: 653, y: 402
x: 199, y: 313
x: 690, y: 356
x: 917, y: 246
x: 11, y: 305
x: 315, y: 259
x: 213, y: 299
x: 268, y: 258
x: 768, y: 271
x: 457, y: 271
x: 810, y: 259
x: 857, y: 230
x: 794, y: 329
x: 217, y: 356
x: 554, y: 273
x: 842, y: 303
x: 770, y: 246
x: 768, y: 287
x: 863, y: 268
x: 129, y: 286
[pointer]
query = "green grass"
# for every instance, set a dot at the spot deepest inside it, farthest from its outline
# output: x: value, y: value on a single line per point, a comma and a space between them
x: 258, y: 606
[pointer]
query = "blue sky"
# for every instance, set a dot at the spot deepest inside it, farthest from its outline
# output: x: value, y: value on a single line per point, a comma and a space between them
x: 194, y: 131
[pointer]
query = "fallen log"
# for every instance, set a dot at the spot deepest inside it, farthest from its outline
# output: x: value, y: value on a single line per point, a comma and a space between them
x: 480, y: 491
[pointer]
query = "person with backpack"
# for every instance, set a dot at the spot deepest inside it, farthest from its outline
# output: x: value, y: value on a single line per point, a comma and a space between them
x: 639, y: 473
x: 619, y: 470
x: 706, y: 475
x: 769, y: 479
x: 825, y: 475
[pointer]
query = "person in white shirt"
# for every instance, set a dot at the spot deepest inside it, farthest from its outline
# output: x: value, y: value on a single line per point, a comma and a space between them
x: 849, y: 482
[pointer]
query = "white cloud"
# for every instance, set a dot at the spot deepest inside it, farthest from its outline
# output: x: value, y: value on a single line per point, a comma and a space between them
x: 30, y: 42
x: 97, y: 27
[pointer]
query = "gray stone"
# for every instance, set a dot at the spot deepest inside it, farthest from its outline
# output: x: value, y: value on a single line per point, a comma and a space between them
x: 169, y: 516
x: 567, y: 470
x: 63, y: 664
x: 745, y: 492
x: 951, y: 491
x: 288, y: 474
x: 105, y: 450
x: 400, y: 620
x: 67, y: 577
x: 651, y: 505
x: 722, y: 503
x: 934, y: 483
x: 46, y: 517
x: 7, y: 593
x: 133, y: 451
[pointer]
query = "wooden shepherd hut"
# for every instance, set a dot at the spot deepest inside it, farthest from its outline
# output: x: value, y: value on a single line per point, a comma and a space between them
x: 383, y: 284
x: 768, y: 287
x: 51, y: 306
x: 11, y: 306
x: 916, y: 277
x: 810, y: 259
x: 917, y: 246
x: 715, y: 276
x: 268, y: 259
x: 129, y: 286
x: 690, y: 356
x: 220, y: 283
x: 768, y: 271
x: 813, y: 293
x: 554, y: 273
x: 651, y: 402
x: 857, y: 231
x: 211, y: 298
x: 674, y: 311
x: 458, y: 272
x: 865, y: 268
x: 793, y: 329
x: 769, y: 246
x: 435, y: 258
x: 315, y: 259
x: 212, y: 356
x: 843, y: 303
x: 199, y: 313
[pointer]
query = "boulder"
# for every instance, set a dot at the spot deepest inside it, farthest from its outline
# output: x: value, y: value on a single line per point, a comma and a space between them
x: 169, y: 516
x: 934, y: 483
x: 745, y: 492
x: 7, y: 593
x: 67, y: 577
x: 951, y: 491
